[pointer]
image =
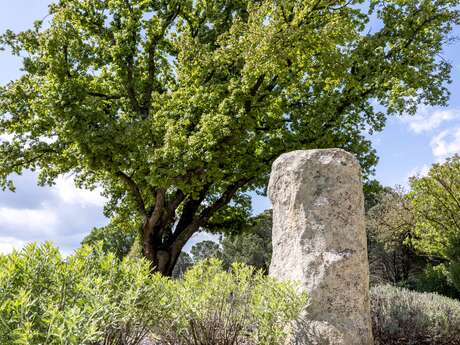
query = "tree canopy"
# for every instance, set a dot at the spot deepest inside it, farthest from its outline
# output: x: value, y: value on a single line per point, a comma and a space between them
x: 436, y: 200
x: 178, y: 108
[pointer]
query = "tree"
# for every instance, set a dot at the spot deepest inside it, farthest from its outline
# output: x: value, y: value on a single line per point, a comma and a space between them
x: 184, y: 262
x: 117, y: 237
x: 178, y: 108
x: 390, y: 225
x: 205, y: 250
x: 436, y: 201
x: 373, y: 192
x: 253, y: 246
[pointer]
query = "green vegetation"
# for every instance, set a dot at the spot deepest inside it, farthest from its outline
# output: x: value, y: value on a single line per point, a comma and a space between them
x: 414, y: 237
x: 436, y: 278
x: 91, y: 298
x: 117, y: 237
x: 87, y: 298
x: 390, y: 230
x: 436, y: 201
x: 242, y: 306
x: 184, y: 262
x: 178, y: 108
x: 253, y: 246
x: 401, y: 316
x: 204, y: 250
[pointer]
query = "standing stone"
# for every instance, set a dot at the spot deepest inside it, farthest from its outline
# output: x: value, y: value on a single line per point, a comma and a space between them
x: 319, y: 240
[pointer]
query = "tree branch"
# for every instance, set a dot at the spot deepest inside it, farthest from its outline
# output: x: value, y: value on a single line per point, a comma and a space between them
x: 24, y: 162
x: 103, y: 95
x: 412, y: 37
x: 130, y: 67
x: 190, y: 208
x: 151, y: 66
x: 253, y: 92
x: 160, y: 195
x: 177, y: 200
x: 449, y: 190
x: 224, y: 199
x: 66, y: 59
x: 134, y: 189
x: 192, y: 224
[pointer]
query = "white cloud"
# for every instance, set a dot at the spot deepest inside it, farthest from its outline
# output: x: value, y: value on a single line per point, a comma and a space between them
x: 418, y: 172
x: 67, y: 191
x: 8, y: 244
x: 446, y: 143
x: 34, y: 222
x: 426, y: 120
x: 63, y: 213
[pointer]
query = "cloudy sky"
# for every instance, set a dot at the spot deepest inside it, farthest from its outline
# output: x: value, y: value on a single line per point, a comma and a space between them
x: 64, y: 214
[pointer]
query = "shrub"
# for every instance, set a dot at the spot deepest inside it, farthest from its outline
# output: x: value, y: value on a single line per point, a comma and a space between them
x: 88, y: 298
x: 412, y: 318
x: 241, y: 306
x: 92, y: 298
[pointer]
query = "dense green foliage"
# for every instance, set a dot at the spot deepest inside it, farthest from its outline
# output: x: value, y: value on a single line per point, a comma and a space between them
x: 437, y: 278
x: 86, y: 299
x: 177, y: 107
x: 403, y: 317
x: 251, y: 246
x: 91, y: 298
x: 436, y: 202
x: 395, y: 254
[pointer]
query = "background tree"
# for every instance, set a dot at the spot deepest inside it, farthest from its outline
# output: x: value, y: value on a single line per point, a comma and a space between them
x: 253, y: 246
x: 184, y: 262
x: 178, y: 108
x: 436, y: 201
x: 117, y: 237
x: 205, y: 250
x: 390, y: 225
x: 373, y: 192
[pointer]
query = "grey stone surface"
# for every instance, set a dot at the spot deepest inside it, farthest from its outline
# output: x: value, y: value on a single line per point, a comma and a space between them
x: 319, y: 239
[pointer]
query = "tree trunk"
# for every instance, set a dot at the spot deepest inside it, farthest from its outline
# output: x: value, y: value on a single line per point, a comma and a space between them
x: 163, y: 251
x: 164, y: 233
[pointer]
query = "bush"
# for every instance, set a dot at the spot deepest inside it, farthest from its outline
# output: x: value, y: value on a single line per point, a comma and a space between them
x: 92, y: 298
x: 88, y: 298
x: 411, y: 318
x: 241, y: 306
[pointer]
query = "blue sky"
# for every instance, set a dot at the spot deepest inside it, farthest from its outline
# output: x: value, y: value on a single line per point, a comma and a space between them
x: 65, y: 214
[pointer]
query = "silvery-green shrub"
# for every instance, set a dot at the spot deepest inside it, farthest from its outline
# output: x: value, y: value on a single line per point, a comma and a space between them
x: 406, y: 317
